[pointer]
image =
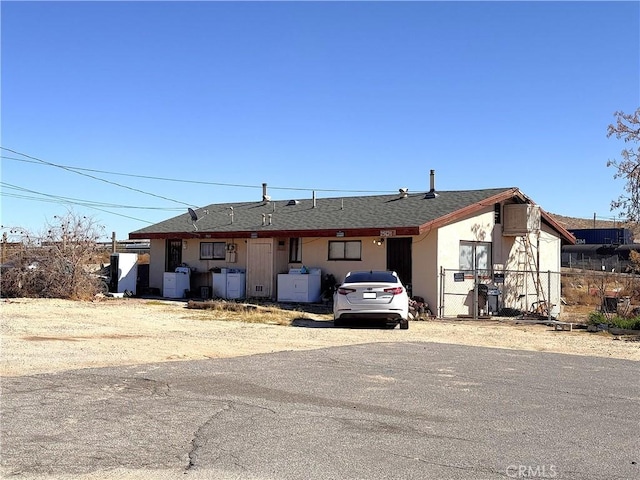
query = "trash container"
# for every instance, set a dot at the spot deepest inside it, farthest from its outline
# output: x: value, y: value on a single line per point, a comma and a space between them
x: 492, y: 301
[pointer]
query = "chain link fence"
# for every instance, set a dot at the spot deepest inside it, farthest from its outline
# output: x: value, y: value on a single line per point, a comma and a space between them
x: 478, y: 293
x: 612, y: 263
x: 510, y: 293
x: 609, y: 292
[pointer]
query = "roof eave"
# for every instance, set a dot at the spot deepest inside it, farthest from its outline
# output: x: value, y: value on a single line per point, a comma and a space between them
x: 330, y: 232
x: 471, y: 209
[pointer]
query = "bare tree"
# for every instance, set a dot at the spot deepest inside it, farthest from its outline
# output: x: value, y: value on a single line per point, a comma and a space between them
x: 59, y: 263
x: 627, y: 127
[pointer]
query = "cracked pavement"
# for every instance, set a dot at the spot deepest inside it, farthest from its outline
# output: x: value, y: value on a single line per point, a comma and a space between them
x: 385, y: 410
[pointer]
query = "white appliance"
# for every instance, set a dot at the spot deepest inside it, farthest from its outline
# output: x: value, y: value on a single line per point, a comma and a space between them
x: 296, y: 286
x: 124, y: 272
x: 176, y: 284
x: 219, y: 282
x: 228, y: 283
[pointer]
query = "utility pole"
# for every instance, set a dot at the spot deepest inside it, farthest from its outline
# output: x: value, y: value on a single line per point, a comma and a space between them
x: 4, y: 248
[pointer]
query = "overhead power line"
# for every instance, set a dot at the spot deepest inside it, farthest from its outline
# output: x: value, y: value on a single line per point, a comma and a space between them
x: 30, y: 159
x: 43, y: 197
x: 75, y: 201
x: 67, y: 200
x: 44, y: 162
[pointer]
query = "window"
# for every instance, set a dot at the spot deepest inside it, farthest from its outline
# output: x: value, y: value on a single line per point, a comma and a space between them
x: 345, y: 250
x: 475, y: 255
x: 295, y: 250
x: 212, y: 250
x: 371, y: 276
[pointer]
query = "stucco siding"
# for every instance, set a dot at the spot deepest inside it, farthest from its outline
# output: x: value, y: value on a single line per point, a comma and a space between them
x: 156, y: 264
x: 478, y: 228
x: 315, y: 253
x: 425, y: 267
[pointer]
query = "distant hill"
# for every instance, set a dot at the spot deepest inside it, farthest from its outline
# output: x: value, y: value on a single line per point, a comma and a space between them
x: 572, y: 222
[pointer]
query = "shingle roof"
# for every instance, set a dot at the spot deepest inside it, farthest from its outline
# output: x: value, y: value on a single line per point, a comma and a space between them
x: 329, y: 214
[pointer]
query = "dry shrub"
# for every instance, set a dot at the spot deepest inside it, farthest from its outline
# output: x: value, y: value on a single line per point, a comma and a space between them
x: 244, y: 312
x: 56, y: 264
x: 575, y: 291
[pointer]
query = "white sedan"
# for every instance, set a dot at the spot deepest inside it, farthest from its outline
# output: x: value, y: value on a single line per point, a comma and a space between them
x: 375, y: 295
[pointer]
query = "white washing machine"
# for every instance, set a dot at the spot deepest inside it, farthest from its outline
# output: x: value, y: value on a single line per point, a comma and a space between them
x: 236, y: 279
x: 176, y: 284
x: 228, y: 283
x: 219, y: 282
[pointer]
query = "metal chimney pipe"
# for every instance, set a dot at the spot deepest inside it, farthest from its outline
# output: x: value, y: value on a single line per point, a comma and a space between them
x: 432, y: 183
x: 314, y: 199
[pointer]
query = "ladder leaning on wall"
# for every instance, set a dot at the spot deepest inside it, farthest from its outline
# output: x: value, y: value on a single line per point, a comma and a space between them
x: 531, y: 264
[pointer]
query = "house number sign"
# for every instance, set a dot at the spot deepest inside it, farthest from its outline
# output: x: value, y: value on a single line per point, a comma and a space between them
x: 387, y: 233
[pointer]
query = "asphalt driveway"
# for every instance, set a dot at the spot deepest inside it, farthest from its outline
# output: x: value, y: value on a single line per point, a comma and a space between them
x: 405, y: 411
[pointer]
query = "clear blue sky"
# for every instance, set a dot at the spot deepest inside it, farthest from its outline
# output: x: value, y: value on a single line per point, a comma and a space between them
x: 340, y: 97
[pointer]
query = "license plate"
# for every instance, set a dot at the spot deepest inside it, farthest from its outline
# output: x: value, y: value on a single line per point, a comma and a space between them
x: 369, y: 295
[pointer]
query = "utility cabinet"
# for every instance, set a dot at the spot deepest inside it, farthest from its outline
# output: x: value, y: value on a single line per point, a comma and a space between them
x: 124, y: 272
x: 300, y: 287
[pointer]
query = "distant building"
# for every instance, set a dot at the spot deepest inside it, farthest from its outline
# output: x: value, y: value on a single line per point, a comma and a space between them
x: 600, y: 249
x: 602, y: 236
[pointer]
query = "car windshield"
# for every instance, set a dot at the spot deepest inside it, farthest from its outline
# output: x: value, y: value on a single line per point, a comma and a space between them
x: 382, y: 277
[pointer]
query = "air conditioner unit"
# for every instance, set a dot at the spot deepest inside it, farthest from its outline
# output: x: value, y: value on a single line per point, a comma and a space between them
x: 520, y: 219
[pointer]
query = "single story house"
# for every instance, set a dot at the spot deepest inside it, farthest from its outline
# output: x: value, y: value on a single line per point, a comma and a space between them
x: 424, y: 236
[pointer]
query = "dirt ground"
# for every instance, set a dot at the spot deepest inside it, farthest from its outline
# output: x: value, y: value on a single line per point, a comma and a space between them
x: 44, y: 335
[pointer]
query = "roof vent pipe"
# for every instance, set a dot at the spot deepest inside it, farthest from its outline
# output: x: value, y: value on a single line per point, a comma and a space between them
x: 270, y: 216
x: 264, y: 219
x: 314, y: 199
x: 265, y: 197
x: 432, y: 183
